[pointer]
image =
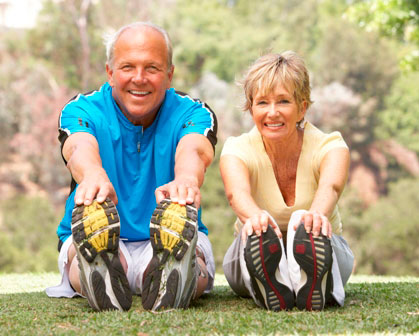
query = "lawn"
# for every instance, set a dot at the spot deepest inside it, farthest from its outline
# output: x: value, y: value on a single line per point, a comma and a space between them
x: 373, y: 305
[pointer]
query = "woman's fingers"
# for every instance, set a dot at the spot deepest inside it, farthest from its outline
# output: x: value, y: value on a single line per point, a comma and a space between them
x: 316, y: 223
x: 259, y: 223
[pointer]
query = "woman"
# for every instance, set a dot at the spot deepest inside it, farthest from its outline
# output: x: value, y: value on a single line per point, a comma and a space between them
x: 283, y: 180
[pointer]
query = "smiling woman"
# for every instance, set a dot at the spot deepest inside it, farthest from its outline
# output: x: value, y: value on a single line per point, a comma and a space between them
x: 275, y: 114
x: 283, y: 180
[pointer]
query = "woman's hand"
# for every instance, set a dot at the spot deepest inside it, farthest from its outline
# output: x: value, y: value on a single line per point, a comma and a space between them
x: 316, y: 223
x: 258, y: 223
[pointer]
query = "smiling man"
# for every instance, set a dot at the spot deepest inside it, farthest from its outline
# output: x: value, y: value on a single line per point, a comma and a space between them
x: 137, y: 151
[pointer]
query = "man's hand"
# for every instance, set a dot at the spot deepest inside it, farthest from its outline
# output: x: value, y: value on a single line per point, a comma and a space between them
x: 183, y: 190
x: 95, y: 185
x: 194, y: 154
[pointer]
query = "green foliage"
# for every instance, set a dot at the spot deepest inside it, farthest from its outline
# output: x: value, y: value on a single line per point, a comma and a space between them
x: 367, y: 310
x: 40, y: 70
x: 57, y: 40
x: 383, y: 237
x: 360, y: 61
x: 217, y: 214
x: 400, y: 119
x: 393, y: 18
x: 27, y: 235
x: 224, y: 37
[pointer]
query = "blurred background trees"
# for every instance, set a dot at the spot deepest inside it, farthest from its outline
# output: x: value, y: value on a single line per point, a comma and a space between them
x: 363, y: 62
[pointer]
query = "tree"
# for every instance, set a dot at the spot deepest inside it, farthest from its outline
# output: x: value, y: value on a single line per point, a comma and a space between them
x: 27, y: 233
x: 66, y: 41
x: 400, y: 119
x: 224, y: 37
x: 394, y: 18
x: 383, y: 237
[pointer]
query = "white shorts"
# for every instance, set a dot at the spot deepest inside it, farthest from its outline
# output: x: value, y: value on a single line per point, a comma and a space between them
x: 138, y: 255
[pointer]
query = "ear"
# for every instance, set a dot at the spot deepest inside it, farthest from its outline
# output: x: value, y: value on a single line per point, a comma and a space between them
x: 109, y: 71
x: 303, y: 110
x: 170, y: 76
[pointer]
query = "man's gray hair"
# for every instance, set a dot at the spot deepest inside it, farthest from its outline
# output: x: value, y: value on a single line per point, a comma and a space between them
x: 110, y: 40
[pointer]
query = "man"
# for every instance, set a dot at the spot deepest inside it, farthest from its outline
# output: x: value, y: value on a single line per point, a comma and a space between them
x: 131, y: 145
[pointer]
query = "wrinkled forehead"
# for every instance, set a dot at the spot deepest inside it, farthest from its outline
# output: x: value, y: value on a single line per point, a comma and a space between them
x: 142, y: 38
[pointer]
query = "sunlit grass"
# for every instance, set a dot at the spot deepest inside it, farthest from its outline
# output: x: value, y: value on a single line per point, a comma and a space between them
x: 374, y: 304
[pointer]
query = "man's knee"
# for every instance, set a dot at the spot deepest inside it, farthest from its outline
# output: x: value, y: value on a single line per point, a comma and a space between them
x: 74, y: 271
x: 202, y: 277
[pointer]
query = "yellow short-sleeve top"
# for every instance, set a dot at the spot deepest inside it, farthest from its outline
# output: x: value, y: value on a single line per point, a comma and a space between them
x: 264, y: 189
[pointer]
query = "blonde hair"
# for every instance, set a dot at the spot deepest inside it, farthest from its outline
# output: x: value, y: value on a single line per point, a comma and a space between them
x: 286, y: 68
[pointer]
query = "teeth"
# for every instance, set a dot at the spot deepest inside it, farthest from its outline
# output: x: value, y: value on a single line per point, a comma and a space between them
x: 139, y: 92
x: 275, y: 125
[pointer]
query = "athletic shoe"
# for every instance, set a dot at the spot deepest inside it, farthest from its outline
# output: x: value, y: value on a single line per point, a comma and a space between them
x: 95, y: 230
x: 171, y: 277
x: 314, y: 256
x: 263, y: 255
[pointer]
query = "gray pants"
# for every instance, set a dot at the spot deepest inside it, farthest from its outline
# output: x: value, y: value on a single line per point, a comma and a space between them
x: 343, y: 261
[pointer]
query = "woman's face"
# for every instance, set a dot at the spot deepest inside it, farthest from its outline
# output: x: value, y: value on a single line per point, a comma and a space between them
x: 277, y: 113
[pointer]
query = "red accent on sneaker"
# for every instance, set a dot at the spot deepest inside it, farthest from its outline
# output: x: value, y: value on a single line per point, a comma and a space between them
x: 262, y: 258
x: 273, y: 248
x: 300, y: 249
x: 310, y: 295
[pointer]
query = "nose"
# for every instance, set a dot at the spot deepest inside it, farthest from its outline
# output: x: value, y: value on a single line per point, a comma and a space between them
x: 139, y: 76
x: 273, y: 109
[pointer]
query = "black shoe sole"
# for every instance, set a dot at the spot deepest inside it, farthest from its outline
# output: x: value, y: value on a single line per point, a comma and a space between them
x: 174, y: 228
x: 95, y: 231
x: 314, y: 255
x: 262, y: 255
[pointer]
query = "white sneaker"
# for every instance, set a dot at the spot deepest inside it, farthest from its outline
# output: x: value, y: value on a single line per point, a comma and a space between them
x: 268, y: 270
x: 171, y: 277
x: 313, y: 255
x: 95, y: 231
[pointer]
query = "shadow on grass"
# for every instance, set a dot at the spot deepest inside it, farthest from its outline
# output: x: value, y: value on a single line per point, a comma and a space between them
x: 369, y: 308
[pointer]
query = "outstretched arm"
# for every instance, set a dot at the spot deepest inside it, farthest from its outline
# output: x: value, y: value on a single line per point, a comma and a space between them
x: 237, y: 187
x: 333, y: 175
x: 81, y: 151
x: 194, y: 154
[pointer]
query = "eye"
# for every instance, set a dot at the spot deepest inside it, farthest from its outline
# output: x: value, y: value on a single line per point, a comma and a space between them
x: 153, y: 69
x: 284, y: 101
x: 261, y: 102
x: 126, y: 67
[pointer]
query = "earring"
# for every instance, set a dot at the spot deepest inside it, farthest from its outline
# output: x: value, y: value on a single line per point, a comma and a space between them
x: 301, y: 123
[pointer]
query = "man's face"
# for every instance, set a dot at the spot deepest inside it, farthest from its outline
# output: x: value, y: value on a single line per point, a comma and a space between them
x: 139, y: 74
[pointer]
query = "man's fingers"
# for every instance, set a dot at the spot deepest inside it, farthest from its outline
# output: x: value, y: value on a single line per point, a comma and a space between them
x: 79, y: 196
x: 172, y: 192
x: 102, y: 194
x: 160, y: 194
x: 196, y: 199
x: 182, y: 192
x: 85, y: 195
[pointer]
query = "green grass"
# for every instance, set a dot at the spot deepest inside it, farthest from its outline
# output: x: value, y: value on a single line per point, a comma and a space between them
x: 373, y: 305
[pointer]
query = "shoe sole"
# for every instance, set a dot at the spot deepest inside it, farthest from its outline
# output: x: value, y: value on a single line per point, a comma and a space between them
x: 262, y: 255
x: 173, y: 236
x: 95, y: 231
x: 314, y: 255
